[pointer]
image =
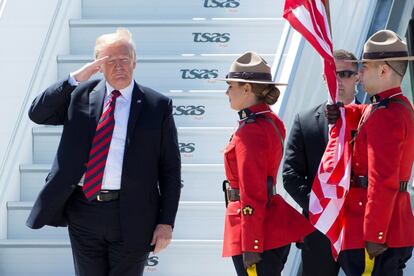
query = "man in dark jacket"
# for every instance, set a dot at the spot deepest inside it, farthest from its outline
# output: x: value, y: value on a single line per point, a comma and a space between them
x: 115, y: 180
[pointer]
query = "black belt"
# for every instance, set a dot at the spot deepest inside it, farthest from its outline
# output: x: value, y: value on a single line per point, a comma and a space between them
x: 105, y: 195
x: 361, y: 181
x: 108, y: 195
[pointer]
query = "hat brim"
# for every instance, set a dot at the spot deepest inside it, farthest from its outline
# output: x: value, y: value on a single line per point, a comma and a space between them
x: 382, y: 59
x: 252, y: 81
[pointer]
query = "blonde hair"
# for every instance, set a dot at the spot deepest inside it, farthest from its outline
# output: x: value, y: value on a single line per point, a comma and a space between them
x: 121, y: 35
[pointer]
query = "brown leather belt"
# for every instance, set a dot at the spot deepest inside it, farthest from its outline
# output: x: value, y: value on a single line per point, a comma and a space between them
x: 234, y: 194
x: 361, y: 181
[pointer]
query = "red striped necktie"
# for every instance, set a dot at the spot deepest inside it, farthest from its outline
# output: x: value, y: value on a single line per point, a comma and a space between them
x: 99, y: 151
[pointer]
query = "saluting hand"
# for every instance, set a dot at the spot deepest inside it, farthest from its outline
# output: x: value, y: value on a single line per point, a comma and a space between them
x: 162, y: 237
x: 89, y: 69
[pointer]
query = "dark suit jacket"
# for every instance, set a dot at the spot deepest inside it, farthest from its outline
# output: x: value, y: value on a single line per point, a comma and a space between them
x: 150, y: 184
x: 306, y: 144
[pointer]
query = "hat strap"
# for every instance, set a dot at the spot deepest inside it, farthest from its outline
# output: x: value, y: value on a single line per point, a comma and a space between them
x: 393, y: 69
x: 250, y: 76
x: 381, y: 55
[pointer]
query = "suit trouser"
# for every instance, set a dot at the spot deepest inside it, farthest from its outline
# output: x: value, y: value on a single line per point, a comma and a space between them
x: 390, y: 263
x: 272, y: 263
x: 95, y: 236
x: 317, y: 257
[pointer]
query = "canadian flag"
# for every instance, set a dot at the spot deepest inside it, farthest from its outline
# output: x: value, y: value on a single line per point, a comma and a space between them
x: 331, y: 183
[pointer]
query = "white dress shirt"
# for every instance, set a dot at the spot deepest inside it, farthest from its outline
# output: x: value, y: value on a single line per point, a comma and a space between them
x: 113, y: 168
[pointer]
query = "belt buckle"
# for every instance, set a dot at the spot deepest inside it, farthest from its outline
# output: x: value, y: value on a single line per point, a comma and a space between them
x: 274, y: 190
x: 403, y: 186
x: 98, y: 198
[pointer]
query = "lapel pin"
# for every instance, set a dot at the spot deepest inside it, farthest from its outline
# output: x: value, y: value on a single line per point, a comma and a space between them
x: 139, y: 101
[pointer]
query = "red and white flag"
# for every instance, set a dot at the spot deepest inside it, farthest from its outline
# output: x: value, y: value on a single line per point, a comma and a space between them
x: 331, y: 183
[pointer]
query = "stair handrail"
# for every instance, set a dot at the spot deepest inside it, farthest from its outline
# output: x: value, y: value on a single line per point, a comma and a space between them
x: 20, y: 127
x: 2, y: 6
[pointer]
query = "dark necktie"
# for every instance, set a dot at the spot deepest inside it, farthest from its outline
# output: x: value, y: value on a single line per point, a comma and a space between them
x: 99, y: 151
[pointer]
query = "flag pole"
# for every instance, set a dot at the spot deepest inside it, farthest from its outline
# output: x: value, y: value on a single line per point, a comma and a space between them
x: 328, y: 15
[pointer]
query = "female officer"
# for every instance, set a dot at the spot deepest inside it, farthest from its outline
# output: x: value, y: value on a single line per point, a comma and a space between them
x: 259, y: 224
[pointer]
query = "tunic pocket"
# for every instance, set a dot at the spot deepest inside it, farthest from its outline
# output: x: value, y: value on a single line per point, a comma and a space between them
x: 233, y: 213
x: 230, y: 161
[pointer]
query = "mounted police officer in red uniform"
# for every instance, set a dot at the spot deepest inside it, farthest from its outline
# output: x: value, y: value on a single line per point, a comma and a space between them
x: 259, y: 224
x: 379, y: 223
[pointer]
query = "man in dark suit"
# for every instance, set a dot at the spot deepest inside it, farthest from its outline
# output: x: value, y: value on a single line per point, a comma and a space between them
x: 305, y: 147
x: 115, y: 180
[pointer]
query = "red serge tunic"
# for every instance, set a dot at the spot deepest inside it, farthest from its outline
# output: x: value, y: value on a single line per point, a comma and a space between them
x: 383, y: 151
x: 253, y: 154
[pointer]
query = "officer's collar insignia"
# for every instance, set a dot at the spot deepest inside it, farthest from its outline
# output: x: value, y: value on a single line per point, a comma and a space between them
x: 244, y: 113
x: 375, y: 98
x: 248, y: 210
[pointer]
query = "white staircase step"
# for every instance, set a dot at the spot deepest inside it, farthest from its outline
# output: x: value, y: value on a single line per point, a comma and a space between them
x: 177, y: 37
x: 185, y: 9
x: 206, y: 108
x: 51, y: 258
x: 198, y: 145
x: 165, y: 74
x: 195, y: 220
x: 35, y: 258
x: 200, y: 181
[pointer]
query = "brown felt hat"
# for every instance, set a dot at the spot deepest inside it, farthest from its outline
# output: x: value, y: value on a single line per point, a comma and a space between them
x: 252, y: 68
x: 384, y: 45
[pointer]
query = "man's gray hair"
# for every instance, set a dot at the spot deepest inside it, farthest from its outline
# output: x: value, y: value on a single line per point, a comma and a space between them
x: 121, y: 35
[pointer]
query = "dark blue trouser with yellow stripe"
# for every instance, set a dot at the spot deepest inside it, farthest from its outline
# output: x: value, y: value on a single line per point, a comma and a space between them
x: 356, y: 262
x: 272, y: 263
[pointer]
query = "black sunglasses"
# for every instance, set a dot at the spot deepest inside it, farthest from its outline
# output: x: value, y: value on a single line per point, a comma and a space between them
x: 345, y: 74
